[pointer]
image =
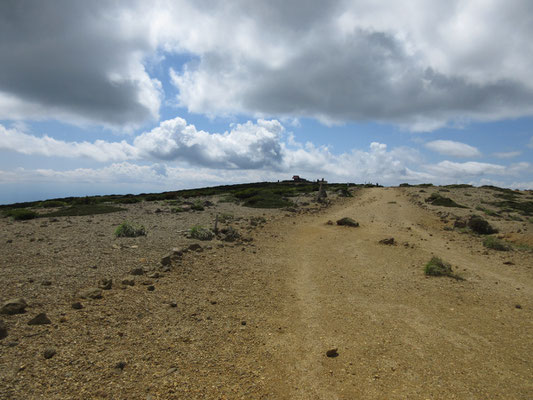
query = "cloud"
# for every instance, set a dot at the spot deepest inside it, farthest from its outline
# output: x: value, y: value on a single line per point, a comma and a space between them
x: 508, y: 154
x: 78, y: 62
x: 100, y: 150
x: 530, y: 144
x: 246, y: 146
x: 454, y: 149
x: 448, y: 170
x: 419, y: 65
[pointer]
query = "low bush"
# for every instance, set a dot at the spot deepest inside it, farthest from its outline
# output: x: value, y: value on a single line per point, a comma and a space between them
x: 21, y: 214
x: 437, y: 199
x: 201, y: 233
x: 127, y: 229
x: 437, y: 267
x: 198, y: 206
x: 494, y: 243
x: 84, y: 209
x: 52, y: 204
x: 347, y: 222
x: 478, y: 225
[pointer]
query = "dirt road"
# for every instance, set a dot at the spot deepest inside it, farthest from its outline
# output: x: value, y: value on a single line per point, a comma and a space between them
x: 399, y: 334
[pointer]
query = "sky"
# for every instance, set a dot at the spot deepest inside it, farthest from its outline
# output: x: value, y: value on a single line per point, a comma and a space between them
x: 107, y: 97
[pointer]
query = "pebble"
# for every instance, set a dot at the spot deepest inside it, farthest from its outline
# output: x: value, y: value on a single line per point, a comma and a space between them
x: 332, y: 352
x: 14, y: 306
x: 40, y: 319
x: 91, y: 293
x: 173, y: 304
x: 128, y: 282
x: 120, y: 365
x: 137, y: 271
x: 49, y: 353
x: 105, y: 284
x: 46, y: 283
x: 388, y: 241
x: 77, y: 305
x: 151, y: 288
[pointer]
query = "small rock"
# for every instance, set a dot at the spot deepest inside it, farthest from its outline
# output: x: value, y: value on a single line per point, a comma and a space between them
x: 195, y: 247
x: 147, y: 282
x: 173, y: 304
x: 330, y: 222
x: 3, y: 329
x: 137, y: 271
x: 388, y: 241
x: 77, y: 305
x: 151, y: 288
x: 154, y: 275
x: 91, y: 293
x: 49, y: 353
x: 9, y: 241
x: 128, y: 282
x: 518, y: 306
x: 46, y: 283
x: 167, y: 260
x: 332, y: 352
x: 508, y: 263
x: 171, y: 370
x: 120, y: 365
x: 14, y: 306
x: 243, y: 323
x: 40, y: 319
x: 105, y: 284
x: 347, y: 222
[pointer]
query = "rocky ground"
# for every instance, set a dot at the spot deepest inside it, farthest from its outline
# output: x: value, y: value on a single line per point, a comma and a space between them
x: 255, y: 317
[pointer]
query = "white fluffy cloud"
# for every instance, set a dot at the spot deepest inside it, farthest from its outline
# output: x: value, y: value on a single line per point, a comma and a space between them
x: 507, y: 154
x: 454, y: 149
x: 417, y: 64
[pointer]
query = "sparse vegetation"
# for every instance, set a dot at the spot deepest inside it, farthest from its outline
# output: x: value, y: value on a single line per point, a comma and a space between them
x: 347, y: 222
x: 198, y: 206
x: 487, y: 211
x: 437, y: 267
x: 127, y: 229
x: 84, y: 209
x: 437, y: 199
x: 53, y: 204
x: 201, y: 233
x: 494, y: 243
x: 21, y: 214
x: 225, y: 218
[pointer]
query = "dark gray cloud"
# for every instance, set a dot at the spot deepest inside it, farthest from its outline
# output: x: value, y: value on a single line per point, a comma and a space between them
x: 75, y: 58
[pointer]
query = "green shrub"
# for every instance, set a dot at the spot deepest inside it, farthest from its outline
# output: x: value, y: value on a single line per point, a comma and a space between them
x: 129, y: 200
x: 198, y: 206
x: 225, y: 217
x: 437, y: 267
x: 478, y: 225
x: 439, y: 200
x: 21, y: 214
x: 177, y: 210
x: 347, y: 222
x: 494, y: 243
x: 52, y: 203
x: 127, y: 229
x: 201, y: 233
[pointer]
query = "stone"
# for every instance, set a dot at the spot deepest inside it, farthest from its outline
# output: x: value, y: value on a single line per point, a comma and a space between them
x: 49, y: 353
x: 14, y: 306
x: 91, y: 293
x: 46, y: 283
x: 166, y: 260
x: 332, y: 352
x: 459, y: 223
x: 3, y: 329
x: 195, y: 247
x: 137, y: 271
x: 77, y: 305
x: 151, y: 288
x: 347, y: 222
x: 173, y: 304
x: 40, y: 319
x: 154, y: 275
x: 120, y: 365
x: 388, y: 241
x: 105, y: 284
x: 128, y: 282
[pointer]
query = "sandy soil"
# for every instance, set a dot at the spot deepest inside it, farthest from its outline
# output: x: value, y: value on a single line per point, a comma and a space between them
x: 254, y: 319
